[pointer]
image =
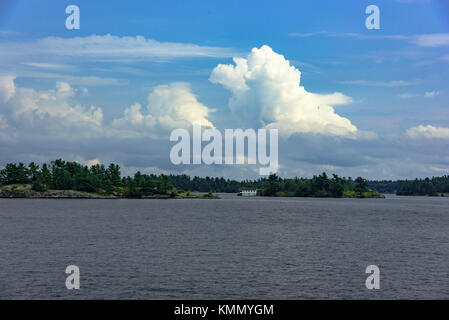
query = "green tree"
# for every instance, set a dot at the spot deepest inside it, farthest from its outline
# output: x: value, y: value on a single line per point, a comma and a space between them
x: 45, y: 175
x: 132, y: 191
x: 163, y: 184
x: 360, y: 186
x: 38, y: 185
x: 271, y: 185
x: 336, y: 187
x: 148, y: 187
x: 113, y: 173
x: 33, y: 170
x: 13, y: 174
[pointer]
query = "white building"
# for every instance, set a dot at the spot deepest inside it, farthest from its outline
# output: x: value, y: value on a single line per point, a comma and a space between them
x: 249, y: 193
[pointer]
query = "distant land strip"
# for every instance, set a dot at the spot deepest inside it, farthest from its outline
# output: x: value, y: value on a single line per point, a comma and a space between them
x: 64, y: 179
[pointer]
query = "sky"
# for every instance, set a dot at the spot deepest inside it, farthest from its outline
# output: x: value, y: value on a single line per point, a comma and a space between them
x: 345, y: 99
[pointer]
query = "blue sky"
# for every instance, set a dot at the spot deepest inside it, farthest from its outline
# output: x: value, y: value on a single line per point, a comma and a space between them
x: 394, y: 82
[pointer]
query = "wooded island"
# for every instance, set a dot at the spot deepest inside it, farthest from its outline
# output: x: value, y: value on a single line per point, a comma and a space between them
x: 70, y: 179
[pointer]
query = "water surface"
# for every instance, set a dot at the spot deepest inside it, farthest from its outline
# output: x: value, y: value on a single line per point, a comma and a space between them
x: 230, y: 248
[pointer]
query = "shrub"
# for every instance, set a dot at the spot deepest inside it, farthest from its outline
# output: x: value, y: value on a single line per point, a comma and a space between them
x: 38, y: 186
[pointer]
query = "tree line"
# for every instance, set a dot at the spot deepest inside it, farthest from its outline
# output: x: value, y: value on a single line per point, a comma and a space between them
x: 318, y: 186
x: 417, y: 187
x: 64, y: 175
x: 422, y: 187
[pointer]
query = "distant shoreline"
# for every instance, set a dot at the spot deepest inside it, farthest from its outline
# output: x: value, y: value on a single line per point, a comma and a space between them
x: 25, y: 191
x: 63, y: 179
x: 346, y: 194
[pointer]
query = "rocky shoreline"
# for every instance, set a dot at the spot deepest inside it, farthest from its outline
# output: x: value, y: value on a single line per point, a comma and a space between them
x: 25, y: 192
x: 52, y: 194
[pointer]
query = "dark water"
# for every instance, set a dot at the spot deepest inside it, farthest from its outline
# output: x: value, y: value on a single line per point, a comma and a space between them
x: 232, y: 248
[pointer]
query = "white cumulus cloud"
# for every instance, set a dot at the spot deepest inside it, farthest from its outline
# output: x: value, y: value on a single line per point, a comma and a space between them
x: 55, y: 112
x: 266, y: 91
x: 169, y: 106
x: 428, y: 132
x: 175, y: 106
x: 7, y: 88
x: 47, y: 110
